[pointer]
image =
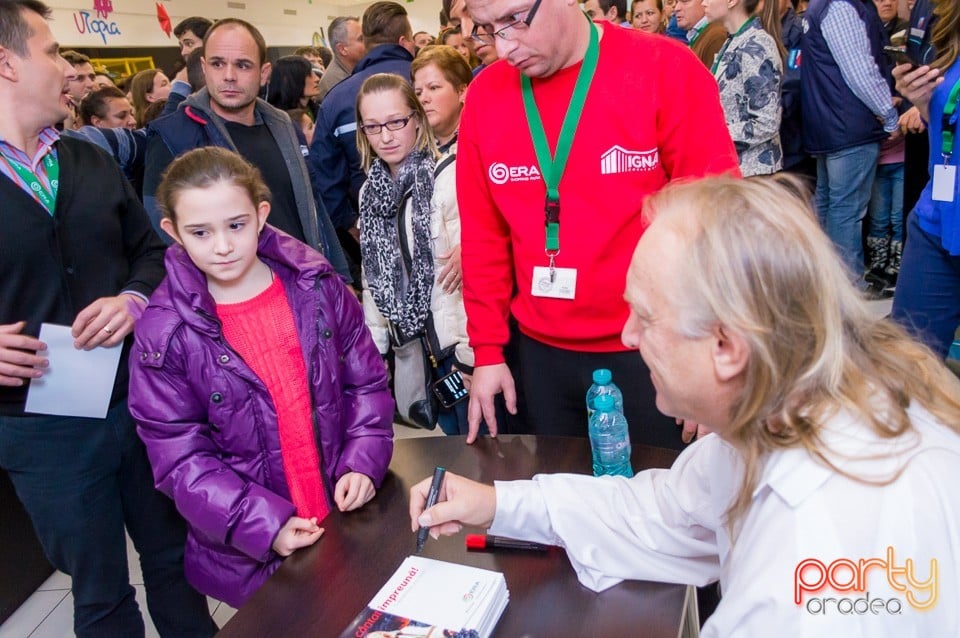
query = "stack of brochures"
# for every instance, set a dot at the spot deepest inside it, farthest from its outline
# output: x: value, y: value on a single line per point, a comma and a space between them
x: 433, y: 598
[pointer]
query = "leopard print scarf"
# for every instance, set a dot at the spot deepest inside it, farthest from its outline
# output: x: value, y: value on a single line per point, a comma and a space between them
x: 402, y: 295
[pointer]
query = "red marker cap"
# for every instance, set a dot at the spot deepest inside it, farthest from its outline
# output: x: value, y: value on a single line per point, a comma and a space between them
x: 483, y: 541
x: 476, y: 541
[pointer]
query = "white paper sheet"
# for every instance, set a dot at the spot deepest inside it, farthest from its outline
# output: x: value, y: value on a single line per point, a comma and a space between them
x: 77, y: 382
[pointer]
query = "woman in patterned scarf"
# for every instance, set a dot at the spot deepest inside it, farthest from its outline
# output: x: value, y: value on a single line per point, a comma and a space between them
x: 409, y: 219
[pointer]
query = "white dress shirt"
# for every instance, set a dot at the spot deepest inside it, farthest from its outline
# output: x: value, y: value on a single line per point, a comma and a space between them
x: 669, y: 526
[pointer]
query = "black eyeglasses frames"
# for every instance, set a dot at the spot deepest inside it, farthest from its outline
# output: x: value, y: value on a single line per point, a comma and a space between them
x: 392, y: 125
x: 509, y: 32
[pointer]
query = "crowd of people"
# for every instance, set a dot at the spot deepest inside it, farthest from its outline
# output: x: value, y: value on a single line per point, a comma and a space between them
x: 292, y: 252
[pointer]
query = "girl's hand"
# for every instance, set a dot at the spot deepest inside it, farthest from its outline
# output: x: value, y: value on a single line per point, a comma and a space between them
x: 451, y: 275
x: 296, y: 533
x: 352, y: 491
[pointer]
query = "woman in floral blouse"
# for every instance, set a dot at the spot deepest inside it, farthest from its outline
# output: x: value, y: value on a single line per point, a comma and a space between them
x: 749, y: 69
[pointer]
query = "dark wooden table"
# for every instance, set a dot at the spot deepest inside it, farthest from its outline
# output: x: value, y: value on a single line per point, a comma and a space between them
x: 319, y: 590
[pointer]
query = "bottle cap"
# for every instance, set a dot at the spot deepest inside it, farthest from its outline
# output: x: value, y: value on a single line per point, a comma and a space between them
x: 604, y: 403
x: 602, y: 376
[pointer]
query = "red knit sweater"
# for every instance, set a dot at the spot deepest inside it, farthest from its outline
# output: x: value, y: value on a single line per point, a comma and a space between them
x: 652, y: 115
x: 263, y: 332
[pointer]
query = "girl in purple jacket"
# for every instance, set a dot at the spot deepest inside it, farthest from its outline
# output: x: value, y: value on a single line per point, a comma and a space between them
x: 255, y: 384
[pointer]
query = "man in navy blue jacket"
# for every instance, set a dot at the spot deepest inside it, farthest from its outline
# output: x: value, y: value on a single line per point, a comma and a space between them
x: 791, y: 33
x: 389, y: 40
x: 847, y: 111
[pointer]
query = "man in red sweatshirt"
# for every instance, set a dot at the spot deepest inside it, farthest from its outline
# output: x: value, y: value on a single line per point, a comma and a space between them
x: 550, y: 218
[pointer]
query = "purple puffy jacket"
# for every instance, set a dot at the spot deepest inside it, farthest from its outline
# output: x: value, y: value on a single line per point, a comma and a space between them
x: 209, y: 424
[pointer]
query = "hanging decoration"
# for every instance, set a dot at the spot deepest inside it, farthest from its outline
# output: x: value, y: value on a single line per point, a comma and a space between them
x: 103, y: 8
x: 164, y: 19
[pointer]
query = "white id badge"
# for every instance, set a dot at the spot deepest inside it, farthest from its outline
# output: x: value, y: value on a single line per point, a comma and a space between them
x: 944, y: 182
x: 563, y: 286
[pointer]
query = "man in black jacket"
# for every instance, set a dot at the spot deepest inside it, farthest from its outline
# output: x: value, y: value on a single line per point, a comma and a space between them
x: 78, y: 250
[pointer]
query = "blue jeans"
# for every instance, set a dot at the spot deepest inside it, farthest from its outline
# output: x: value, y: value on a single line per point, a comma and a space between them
x: 927, y: 298
x: 453, y: 421
x: 886, y: 203
x: 844, y: 183
x: 81, y: 481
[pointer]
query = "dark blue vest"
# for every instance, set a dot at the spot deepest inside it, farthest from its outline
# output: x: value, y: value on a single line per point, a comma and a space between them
x: 922, y: 20
x: 833, y: 117
x: 791, y: 120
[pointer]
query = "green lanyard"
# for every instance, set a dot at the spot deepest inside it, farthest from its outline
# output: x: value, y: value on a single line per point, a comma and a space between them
x: 723, y: 49
x: 552, y: 168
x: 48, y: 198
x: 948, y: 132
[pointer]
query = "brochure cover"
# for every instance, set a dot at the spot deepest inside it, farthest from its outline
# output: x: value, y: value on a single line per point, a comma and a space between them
x: 433, y: 599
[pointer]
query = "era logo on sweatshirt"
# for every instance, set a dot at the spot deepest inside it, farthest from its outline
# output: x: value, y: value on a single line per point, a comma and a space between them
x: 620, y: 160
x: 500, y: 173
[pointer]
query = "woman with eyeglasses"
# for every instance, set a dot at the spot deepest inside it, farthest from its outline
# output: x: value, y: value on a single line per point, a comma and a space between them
x: 409, y: 220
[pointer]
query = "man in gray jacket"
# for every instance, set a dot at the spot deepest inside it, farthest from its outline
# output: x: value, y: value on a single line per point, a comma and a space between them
x: 228, y: 113
x: 346, y: 40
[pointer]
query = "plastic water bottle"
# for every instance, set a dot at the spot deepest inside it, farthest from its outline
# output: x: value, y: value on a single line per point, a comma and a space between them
x: 603, y: 384
x: 609, y: 438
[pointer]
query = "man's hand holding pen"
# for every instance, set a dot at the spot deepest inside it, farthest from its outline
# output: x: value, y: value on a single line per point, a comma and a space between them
x: 460, y: 502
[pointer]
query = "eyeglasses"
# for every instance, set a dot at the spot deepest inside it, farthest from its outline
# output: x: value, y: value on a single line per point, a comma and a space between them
x: 510, y: 32
x: 392, y: 125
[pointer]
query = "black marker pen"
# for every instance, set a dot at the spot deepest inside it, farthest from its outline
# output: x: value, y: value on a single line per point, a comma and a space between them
x: 432, y: 496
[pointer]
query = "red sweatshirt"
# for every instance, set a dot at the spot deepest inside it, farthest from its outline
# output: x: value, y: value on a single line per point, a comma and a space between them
x: 645, y: 122
x: 263, y: 331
